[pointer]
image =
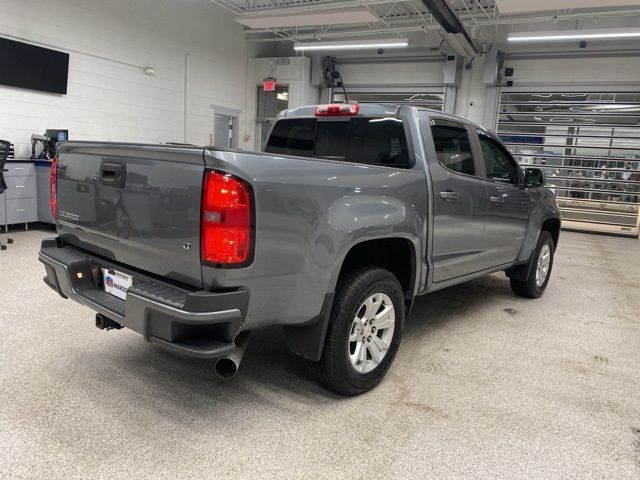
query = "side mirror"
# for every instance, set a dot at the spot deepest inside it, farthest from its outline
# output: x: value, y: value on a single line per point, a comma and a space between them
x: 534, y: 177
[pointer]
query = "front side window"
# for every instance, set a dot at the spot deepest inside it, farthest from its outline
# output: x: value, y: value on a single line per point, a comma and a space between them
x: 499, y: 167
x: 373, y: 141
x: 453, y: 147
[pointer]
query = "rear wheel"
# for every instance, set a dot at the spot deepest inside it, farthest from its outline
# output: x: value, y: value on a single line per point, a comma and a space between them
x: 364, y: 331
x: 538, y: 278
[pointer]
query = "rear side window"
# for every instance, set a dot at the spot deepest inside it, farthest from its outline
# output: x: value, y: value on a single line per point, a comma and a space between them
x: 453, y: 147
x: 374, y: 141
x: 378, y: 141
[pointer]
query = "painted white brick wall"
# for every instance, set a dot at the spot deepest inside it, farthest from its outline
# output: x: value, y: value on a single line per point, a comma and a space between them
x: 109, y: 97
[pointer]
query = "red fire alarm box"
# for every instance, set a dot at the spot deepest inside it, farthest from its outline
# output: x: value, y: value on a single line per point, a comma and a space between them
x: 269, y: 85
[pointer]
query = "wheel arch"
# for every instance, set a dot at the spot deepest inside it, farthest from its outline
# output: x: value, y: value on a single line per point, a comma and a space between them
x: 397, y: 254
x: 552, y: 225
x: 521, y: 271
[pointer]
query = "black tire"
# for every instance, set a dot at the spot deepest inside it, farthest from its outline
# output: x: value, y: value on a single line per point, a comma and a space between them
x: 529, y: 288
x: 334, y: 367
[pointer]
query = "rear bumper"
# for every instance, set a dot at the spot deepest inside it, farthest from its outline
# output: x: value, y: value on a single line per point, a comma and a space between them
x: 197, y: 324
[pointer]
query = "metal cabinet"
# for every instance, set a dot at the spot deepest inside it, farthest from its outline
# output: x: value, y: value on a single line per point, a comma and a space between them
x: 19, y: 169
x: 18, y: 204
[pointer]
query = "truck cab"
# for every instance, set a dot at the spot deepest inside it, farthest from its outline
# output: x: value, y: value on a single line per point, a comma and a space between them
x: 479, y: 200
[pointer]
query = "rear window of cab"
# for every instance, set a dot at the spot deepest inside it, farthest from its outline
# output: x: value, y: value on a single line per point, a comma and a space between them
x: 372, y: 141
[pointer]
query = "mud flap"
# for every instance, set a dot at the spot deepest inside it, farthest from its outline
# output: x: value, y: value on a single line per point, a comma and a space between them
x: 307, y: 339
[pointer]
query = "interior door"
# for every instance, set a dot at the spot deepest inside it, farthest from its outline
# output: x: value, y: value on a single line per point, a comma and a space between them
x: 458, y: 215
x: 225, y: 130
x: 507, y: 203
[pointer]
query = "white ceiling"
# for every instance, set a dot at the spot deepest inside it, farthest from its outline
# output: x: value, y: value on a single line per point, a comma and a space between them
x: 289, y: 21
x: 294, y: 17
x: 521, y: 6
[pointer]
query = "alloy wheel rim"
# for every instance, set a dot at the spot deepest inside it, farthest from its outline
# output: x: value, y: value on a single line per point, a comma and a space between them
x: 371, y: 332
x: 544, y: 260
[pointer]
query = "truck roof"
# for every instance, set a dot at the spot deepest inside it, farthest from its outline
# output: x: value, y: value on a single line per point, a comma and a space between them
x: 377, y: 109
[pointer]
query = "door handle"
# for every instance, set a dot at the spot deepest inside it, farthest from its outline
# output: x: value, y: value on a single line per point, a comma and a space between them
x: 112, y: 174
x: 497, y: 200
x: 449, y: 195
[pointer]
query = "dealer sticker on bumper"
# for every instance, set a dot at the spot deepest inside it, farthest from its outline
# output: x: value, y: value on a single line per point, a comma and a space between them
x: 116, y: 283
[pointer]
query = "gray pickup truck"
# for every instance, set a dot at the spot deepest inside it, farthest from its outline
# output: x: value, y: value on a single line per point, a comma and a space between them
x: 351, y: 212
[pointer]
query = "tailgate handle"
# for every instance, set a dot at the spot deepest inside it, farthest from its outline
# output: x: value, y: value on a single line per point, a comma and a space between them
x: 112, y: 174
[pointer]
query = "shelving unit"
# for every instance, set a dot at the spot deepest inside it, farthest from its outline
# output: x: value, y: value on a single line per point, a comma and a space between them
x: 588, y: 144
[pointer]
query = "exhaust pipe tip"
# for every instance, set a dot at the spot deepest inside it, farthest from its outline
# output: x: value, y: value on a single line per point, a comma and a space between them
x: 226, y: 368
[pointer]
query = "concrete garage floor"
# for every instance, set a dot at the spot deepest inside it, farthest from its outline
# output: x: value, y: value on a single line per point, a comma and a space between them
x: 485, y: 385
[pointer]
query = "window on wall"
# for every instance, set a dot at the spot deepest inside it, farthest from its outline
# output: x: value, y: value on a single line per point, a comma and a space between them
x: 453, y: 147
x: 272, y: 103
x: 497, y: 163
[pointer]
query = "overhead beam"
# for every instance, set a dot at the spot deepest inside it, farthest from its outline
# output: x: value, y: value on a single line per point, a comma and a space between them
x: 446, y: 17
x: 454, y: 32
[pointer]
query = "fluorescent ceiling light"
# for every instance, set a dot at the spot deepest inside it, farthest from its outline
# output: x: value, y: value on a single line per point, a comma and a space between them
x: 291, y: 17
x: 567, y: 35
x: 353, y: 44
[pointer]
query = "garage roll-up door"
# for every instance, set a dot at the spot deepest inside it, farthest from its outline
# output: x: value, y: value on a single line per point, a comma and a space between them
x: 417, y: 80
x: 426, y: 97
x: 588, y: 144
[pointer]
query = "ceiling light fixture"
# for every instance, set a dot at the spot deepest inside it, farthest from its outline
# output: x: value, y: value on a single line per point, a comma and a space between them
x: 570, y: 35
x: 352, y: 44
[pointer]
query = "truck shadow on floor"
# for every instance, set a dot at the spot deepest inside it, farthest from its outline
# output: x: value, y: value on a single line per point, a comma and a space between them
x: 270, y: 375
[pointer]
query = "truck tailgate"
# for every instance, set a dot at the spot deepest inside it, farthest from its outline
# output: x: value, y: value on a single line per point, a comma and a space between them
x: 134, y: 204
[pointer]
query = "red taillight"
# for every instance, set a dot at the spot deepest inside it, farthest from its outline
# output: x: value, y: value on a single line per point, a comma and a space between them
x: 226, y: 219
x: 337, y: 110
x: 53, y: 181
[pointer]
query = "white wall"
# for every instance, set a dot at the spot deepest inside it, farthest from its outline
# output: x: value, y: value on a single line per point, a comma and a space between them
x: 392, y: 73
x: 192, y: 44
x: 292, y: 71
x: 471, y: 98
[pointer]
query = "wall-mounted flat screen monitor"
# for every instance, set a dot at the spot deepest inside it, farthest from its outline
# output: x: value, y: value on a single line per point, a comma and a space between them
x: 36, y: 68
